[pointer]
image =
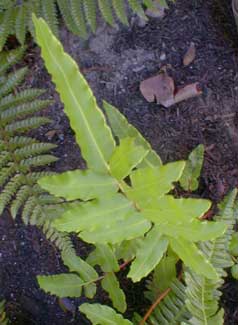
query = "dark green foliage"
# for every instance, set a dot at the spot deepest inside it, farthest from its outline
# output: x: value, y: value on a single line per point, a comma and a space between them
x: 15, y: 15
x: 21, y: 154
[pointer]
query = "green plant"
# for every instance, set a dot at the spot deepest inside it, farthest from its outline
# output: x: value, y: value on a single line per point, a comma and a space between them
x: 22, y: 155
x: 191, y: 173
x: 233, y: 248
x: 3, y: 317
x: 15, y: 15
x: 124, y: 210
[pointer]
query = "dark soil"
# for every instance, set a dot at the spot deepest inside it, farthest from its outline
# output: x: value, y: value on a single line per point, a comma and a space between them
x: 114, y: 61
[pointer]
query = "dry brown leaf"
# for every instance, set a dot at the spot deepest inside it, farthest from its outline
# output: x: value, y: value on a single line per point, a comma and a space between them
x: 50, y: 134
x: 67, y: 305
x: 161, y: 89
x: 189, y: 55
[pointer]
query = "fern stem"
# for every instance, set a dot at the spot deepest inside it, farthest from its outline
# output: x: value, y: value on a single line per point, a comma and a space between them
x: 157, y: 302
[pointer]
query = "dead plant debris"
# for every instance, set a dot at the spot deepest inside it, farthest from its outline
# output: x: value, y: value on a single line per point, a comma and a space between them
x: 161, y: 88
x: 189, y: 55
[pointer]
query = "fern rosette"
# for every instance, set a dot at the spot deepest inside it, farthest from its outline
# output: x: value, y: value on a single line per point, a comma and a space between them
x: 123, y: 203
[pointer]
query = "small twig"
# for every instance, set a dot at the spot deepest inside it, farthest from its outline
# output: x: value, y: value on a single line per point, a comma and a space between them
x: 155, y: 304
x: 123, y: 265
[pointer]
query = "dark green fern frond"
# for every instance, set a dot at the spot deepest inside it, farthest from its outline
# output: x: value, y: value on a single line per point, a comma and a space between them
x: 18, y: 142
x: 21, y: 22
x: 90, y: 9
x: 3, y: 317
x: 79, y: 15
x: 7, y: 59
x: 203, y: 294
x: 23, y: 110
x: 119, y: 8
x: 21, y: 154
x: 23, y: 97
x: 33, y: 149
x: 12, y: 81
x: 69, y: 21
x: 106, y: 11
x: 136, y: 7
x: 26, y: 125
x: 6, y: 23
x: 48, y: 11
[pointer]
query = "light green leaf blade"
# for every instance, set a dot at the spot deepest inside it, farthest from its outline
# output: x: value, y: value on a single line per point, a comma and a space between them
x: 193, y: 258
x: 194, y: 230
x: 79, y: 184
x: 148, y: 255
x: 85, y: 271
x: 167, y: 208
x: 94, y: 214
x: 122, y: 129
x: 127, y: 249
x: 104, y: 256
x: 61, y: 285
x: 111, y: 285
x: 192, y: 170
x: 133, y: 226
x: 151, y: 183
x: 86, y: 119
x: 102, y: 315
x: 125, y: 157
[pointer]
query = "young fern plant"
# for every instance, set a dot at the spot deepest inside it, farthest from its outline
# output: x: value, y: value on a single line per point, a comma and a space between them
x: 79, y: 15
x: 21, y: 155
x: 124, y: 208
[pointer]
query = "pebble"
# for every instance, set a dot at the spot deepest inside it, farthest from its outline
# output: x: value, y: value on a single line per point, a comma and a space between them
x: 162, y: 56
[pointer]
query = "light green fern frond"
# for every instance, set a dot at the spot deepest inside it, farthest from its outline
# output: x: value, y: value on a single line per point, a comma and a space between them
x: 203, y: 294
